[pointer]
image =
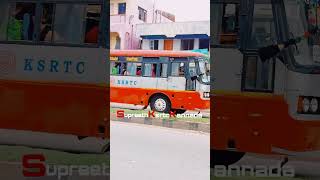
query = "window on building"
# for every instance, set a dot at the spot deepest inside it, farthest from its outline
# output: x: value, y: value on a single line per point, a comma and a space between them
x: 21, y: 22
x: 142, y: 14
x: 177, y: 69
x: 187, y: 44
x: 204, y: 44
x: 150, y: 70
x: 111, y: 8
x: 154, y: 44
x: 122, y: 8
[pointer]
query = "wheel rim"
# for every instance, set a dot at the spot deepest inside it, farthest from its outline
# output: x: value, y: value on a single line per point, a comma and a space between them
x: 160, y: 105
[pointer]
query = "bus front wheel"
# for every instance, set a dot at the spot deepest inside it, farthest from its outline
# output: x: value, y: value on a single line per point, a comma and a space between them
x: 160, y: 103
x: 223, y: 157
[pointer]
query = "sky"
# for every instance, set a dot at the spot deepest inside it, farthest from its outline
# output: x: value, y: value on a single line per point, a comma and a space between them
x: 186, y: 10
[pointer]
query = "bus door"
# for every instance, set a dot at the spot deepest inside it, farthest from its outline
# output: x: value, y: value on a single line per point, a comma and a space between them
x: 258, y: 75
x: 177, y: 74
x: 191, y: 75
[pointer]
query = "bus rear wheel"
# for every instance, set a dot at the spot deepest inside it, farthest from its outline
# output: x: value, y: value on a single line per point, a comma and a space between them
x: 160, y: 103
x: 225, y: 158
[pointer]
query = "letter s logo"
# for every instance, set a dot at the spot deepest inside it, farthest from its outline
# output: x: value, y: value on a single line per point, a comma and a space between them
x: 33, y: 169
x: 120, y: 113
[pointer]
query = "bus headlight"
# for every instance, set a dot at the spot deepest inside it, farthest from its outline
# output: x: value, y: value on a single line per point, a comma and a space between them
x: 308, y: 105
x: 314, y: 105
x: 206, y: 94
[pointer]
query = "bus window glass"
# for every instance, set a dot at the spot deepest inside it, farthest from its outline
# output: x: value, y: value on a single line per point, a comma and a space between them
x: 150, y: 70
x: 164, y: 70
x: 139, y: 69
x: 92, y: 24
x: 263, y: 29
x: 258, y: 74
x: 124, y: 69
x: 68, y: 23
x: 4, y: 16
x: 226, y: 18
x: 46, y: 23
x: 131, y: 69
x: 21, y: 22
x: 115, y: 68
x: 192, y: 69
x: 177, y: 69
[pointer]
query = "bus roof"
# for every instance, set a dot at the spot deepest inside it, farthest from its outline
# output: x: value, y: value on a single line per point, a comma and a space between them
x: 154, y: 53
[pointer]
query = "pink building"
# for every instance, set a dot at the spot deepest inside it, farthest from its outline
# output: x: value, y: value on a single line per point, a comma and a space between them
x: 126, y: 14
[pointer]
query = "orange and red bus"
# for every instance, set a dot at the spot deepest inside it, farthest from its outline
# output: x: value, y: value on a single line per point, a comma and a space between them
x: 165, y: 80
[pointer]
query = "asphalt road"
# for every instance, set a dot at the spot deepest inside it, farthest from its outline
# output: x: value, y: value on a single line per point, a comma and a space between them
x: 142, y: 152
x: 306, y: 169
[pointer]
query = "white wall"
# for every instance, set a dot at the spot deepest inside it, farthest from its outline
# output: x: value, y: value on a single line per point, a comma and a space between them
x: 177, y: 44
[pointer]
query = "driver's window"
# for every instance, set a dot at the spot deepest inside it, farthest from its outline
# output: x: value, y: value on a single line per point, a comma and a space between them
x: 258, y: 74
x: 263, y: 29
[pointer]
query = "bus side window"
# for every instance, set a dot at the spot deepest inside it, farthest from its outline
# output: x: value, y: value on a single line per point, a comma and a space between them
x: 21, y: 22
x: 124, y: 71
x: 164, y: 70
x: 46, y: 23
x: 115, y: 68
x: 226, y: 18
x: 4, y: 17
x: 92, y: 24
x: 74, y: 27
x: 139, y: 69
x: 133, y: 69
x: 150, y: 70
x: 177, y: 69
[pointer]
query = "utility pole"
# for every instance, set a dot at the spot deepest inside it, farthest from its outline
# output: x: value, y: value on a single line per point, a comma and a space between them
x: 153, y: 11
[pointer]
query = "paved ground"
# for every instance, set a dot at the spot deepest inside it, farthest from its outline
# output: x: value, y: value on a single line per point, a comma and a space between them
x: 140, y: 152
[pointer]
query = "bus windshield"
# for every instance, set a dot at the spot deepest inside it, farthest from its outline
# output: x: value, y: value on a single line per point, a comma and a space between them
x: 299, y: 19
x: 204, y: 72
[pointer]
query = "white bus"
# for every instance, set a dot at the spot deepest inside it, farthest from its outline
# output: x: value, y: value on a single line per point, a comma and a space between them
x: 53, y: 74
x: 266, y: 80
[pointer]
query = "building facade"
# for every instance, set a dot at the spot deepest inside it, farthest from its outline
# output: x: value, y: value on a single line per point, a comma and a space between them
x: 175, y: 36
x: 125, y: 15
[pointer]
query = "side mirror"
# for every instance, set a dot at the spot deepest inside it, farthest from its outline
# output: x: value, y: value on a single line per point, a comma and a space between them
x: 268, y: 52
x: 193, y: 78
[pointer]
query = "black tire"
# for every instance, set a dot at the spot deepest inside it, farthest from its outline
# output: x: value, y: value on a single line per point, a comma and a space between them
x: 157, y: 100
x: 179, y: 111
x: 226, y: 158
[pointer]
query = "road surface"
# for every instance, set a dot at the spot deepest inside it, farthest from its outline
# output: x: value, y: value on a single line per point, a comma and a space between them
x: 142, y: 152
